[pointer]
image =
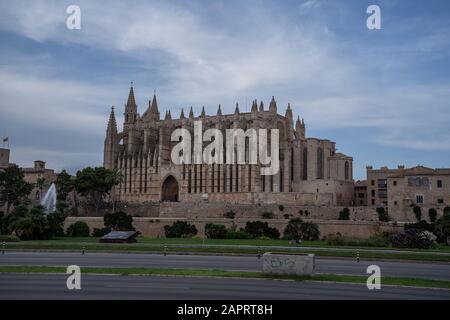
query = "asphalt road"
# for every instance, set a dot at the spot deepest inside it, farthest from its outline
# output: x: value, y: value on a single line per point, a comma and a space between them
x: 439, y: 271
x: 39, y: 286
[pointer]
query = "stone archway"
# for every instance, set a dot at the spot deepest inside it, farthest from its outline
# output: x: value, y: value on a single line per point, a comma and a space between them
x: 169, y: 190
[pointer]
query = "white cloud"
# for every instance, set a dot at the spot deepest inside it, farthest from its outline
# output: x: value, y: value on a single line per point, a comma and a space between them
x: 211, y: 63
x: 311, y: 4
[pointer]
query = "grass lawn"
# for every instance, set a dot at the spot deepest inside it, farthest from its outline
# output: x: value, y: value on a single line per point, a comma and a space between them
x: 398, y: 281
x: 158, y: 245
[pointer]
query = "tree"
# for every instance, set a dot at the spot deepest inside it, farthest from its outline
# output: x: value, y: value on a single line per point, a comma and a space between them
x: 432, y: 214
x: 417, y: 212
x: 55, y: 220
x: 118, y: 221
x: 180, y: 229
x: 382, y: 214
x: 215, y: 231
x: 13, y: 187
x: 64, y: 185
x: 96, y: 183
x: 446, y: 211
x: 78, y: 229
x: 32, y: 226
x: 443, y: 229
x: 344, y: 214
x: 258, y: 229
x: 297, y: 229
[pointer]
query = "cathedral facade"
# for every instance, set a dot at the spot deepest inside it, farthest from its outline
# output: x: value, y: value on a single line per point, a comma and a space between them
x: 311, y: 172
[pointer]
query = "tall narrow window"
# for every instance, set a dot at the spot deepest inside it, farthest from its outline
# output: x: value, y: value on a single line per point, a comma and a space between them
x: 125, y: 176
x: 195, y: 178
x: 201, y: 179
x: 320, y: 163
x: 439, y: 183
x: 347, y: 170
x: 292, y: 165
x: 224, y: 189
x: 213, y: 180
x: 237, y: 179
x: 281, y: 180
x: 190, y: 181
x: 218, y: 177
x: 250, y: 178
x: 305, y: 164
x: 231, y: 178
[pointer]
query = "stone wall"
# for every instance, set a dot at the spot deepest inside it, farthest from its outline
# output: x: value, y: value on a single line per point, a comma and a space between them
x: 199, y: 207
x: 154, y: 227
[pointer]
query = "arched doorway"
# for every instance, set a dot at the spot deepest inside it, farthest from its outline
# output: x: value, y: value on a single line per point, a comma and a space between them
x: 169, y: 190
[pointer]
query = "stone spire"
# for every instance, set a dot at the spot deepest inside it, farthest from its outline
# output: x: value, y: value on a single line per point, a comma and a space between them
x: 300, y: 128
x: 261, y: 107
x: 298, y: 123
x: 110, y: 146
x: 203, y: 114
x: 219, y: 111
x: 112, y: 124
x: 289, y: 112
x: 273, y: 105
x: 255, y: 106
x: 236, y: 111
x: 182, y: 113
x: 168, y: 116
x: 154, y: 106
x: 131, y: 103
x: 152, y: 112
x: 131, y: 107
x: 191, y: 113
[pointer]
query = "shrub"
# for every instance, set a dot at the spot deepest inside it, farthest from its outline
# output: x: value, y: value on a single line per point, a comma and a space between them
x: 382, y: 214
x: 414, y: 239
x: 78, y: 229
x: 378, y: 240
x: 267, y: 215
x: 229, y: 215
x: 417, y: 212
x: 180, y: 229
x: 344, y: 214
x: 9, y: 238
x: 432, y: 214
x: 447, y: 211
x: 118, y: 221
x: 237, y: 235
x: 258, y: 229
x: 298, y: 229
x: 98, y: 233
x: 215, y: 231
x: 421, y: 225
x: 33, y: 225
x: 443, y: 229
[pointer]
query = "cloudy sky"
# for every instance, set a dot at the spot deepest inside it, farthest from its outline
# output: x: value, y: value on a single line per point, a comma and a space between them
x: 382, y: 95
